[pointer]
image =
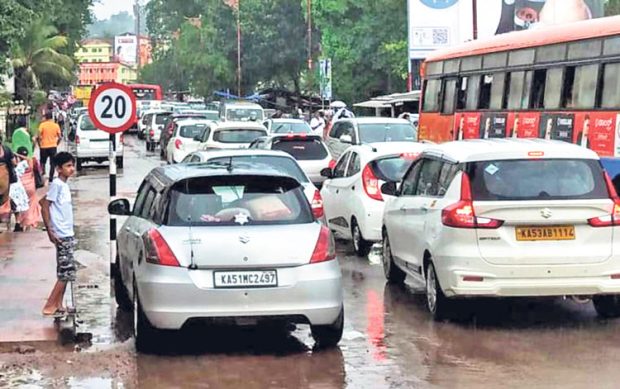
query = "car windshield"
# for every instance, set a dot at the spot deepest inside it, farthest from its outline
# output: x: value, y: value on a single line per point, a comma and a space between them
x: 294, y: 128
x: 393, y: 168
x: 160, y: 118
x: 87, y: 124
x: 238, y: 201
x: 546, y: 179
x: 191, y: 131
x: 386, y: 132
x: 244, y: 114
x: 284, y: 164
x: 237, y: 135
x: 301, y: 149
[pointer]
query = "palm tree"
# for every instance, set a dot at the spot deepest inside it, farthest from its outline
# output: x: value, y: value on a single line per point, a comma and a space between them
x: 36, y: 56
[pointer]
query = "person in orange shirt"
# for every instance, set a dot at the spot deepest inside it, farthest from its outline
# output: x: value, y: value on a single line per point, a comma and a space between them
x: 48, y: 140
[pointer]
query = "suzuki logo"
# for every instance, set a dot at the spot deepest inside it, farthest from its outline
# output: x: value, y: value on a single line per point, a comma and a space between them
x: 546, y: 213
x: 244, y: 239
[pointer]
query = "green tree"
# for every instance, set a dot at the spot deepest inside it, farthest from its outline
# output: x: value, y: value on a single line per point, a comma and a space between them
x: 36, y: 55
x: 13, y: 21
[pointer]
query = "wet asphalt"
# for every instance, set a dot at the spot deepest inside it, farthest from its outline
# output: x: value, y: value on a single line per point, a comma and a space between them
x: 389, y: 339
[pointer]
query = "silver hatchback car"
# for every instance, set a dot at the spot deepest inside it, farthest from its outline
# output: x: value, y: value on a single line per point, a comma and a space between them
x: 234, y: 243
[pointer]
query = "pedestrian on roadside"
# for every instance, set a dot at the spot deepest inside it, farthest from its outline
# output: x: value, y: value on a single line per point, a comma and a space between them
x: 317, y: 124
x: 7, y: 178
x: 17, y: 193
x: 48, y: 140
x: 32, y: 217
x: 57, y: 211
x: 21, y: 137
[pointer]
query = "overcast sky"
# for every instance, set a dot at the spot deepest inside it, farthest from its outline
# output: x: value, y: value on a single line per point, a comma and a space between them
x: 103, y: 9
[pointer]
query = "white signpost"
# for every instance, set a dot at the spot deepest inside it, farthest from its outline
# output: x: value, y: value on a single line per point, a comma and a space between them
x: 112, y: 108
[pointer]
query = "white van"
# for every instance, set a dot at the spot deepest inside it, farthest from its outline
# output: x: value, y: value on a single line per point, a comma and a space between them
x: 239, y: 111
x: 92, y: 145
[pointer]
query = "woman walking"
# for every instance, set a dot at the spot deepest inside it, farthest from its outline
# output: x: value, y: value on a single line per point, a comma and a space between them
x: 25, y: 171
x: 7, y: 177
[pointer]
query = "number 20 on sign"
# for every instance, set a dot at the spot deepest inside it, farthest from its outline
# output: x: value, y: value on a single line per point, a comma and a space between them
x: 112, y: 108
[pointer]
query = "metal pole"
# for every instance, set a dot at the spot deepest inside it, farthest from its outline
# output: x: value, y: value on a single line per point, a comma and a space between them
x: 474, y: 5
x: 309, y: 6
x: 112, y: 196
x: 239, y: 49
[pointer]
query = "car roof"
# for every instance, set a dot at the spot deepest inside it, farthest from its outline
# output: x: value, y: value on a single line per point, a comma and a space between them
x: 168, y: 175
x: 295, y: 136
x: 285, y: 120
x: 243, y: 152
x: 375, y: 119
x: 382, y: 149
x: 239, y: 125
x: 498, y: 149
x: 242, y: 103
x: 191, y: 121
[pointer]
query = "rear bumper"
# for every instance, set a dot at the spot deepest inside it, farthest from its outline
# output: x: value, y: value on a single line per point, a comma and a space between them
x: 172, y: 296
x: 96, y: 153
x: 525, y: 280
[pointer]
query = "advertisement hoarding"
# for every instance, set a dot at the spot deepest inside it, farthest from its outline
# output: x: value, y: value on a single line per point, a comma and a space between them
x: 125, y: 47
x: 325, y: 77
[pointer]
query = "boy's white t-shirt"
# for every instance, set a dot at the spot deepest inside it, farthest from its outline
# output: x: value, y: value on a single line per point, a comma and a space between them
x: 61, y: 209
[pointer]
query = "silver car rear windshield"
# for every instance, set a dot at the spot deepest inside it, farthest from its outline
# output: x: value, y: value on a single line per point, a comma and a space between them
x: 237, y: 201
x: 537, y: 179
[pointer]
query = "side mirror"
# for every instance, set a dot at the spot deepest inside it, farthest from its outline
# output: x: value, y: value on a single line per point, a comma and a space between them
x: 327, y: 172
x: 389, y: 188
x: 346, y: 139
x: 119, y: 207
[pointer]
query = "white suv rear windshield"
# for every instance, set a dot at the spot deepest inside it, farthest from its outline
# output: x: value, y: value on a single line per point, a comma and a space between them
x: 542, y: 179
x: 237, y: 136
x: 386, y: 132
x: 238, y: 200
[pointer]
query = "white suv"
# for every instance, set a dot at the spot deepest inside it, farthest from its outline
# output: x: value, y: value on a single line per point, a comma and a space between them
x: 351, y: 194
x: 502, y: 218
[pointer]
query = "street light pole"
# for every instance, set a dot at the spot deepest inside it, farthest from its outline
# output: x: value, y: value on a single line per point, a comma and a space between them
x: 238, y: 49
x: 309, y: 6
x: 474, y: 4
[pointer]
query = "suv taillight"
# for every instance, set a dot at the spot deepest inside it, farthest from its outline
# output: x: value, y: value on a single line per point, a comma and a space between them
x: 157, y: 250
x: 77, y: 139
x: 178, y: 143
x: 317, y: 205
x: 371, y: 184
x: 612, y: 219
x: 462, y: 214
x: 332, y: 164
x: 325, y: 249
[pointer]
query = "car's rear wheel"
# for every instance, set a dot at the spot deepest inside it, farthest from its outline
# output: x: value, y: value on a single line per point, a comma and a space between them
x: 329, y: 335
x: 392, y: 272
x: 360, y: 245
x: 144, y: 333
x: 436, y: 302
x: 78, y: 164
x: 607, y: 306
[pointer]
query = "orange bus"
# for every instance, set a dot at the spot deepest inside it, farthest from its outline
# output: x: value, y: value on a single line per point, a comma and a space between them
x: 558, y: 82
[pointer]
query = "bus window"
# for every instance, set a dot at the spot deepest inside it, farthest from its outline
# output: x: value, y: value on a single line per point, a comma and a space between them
x: 473, y: 87
x: 497, y: 91
x: 485, y: 92
x: 610, y: 97
x: 518, y: 95
x: 449, y: 94
x: 538, y: 88
x: 431, y: 95
x: 612, y: 46
x: 553, y: 88
x: 580, y: 86
x: 462, y: 95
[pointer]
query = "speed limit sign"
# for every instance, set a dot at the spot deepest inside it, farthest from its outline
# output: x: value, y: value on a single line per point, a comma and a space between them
x: 112, y: 108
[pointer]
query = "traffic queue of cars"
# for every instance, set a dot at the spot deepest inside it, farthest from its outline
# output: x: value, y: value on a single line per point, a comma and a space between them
x: 475, y: 218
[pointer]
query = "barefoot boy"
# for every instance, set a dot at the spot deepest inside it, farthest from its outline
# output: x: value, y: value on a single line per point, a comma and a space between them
x: 57, y: 212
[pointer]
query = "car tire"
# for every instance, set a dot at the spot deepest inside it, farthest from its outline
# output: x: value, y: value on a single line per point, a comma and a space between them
x: 393, y: 273
x: 145, y: 335
x: 78, y: 164
x: 360, y: 245
x: 120, y: 292
x: 607, y: 306
x: 327, y: 336
x: 437, y: 303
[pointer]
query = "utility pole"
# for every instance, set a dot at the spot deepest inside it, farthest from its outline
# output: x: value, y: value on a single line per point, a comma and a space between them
x: 474, y: 4
x: 238, y: 49
x: 309, y: 6
x: 136, y: 10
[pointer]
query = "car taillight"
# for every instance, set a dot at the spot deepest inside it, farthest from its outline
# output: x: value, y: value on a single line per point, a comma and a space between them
x: 317, y: 205
x: 178, y: 144
x: 332, y: 164
x: 612, y: 219
x: 462, y: 213
x: 77, y: 139
x: 371, y: 184
x: 325, y: 249
x: 157, y: 250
